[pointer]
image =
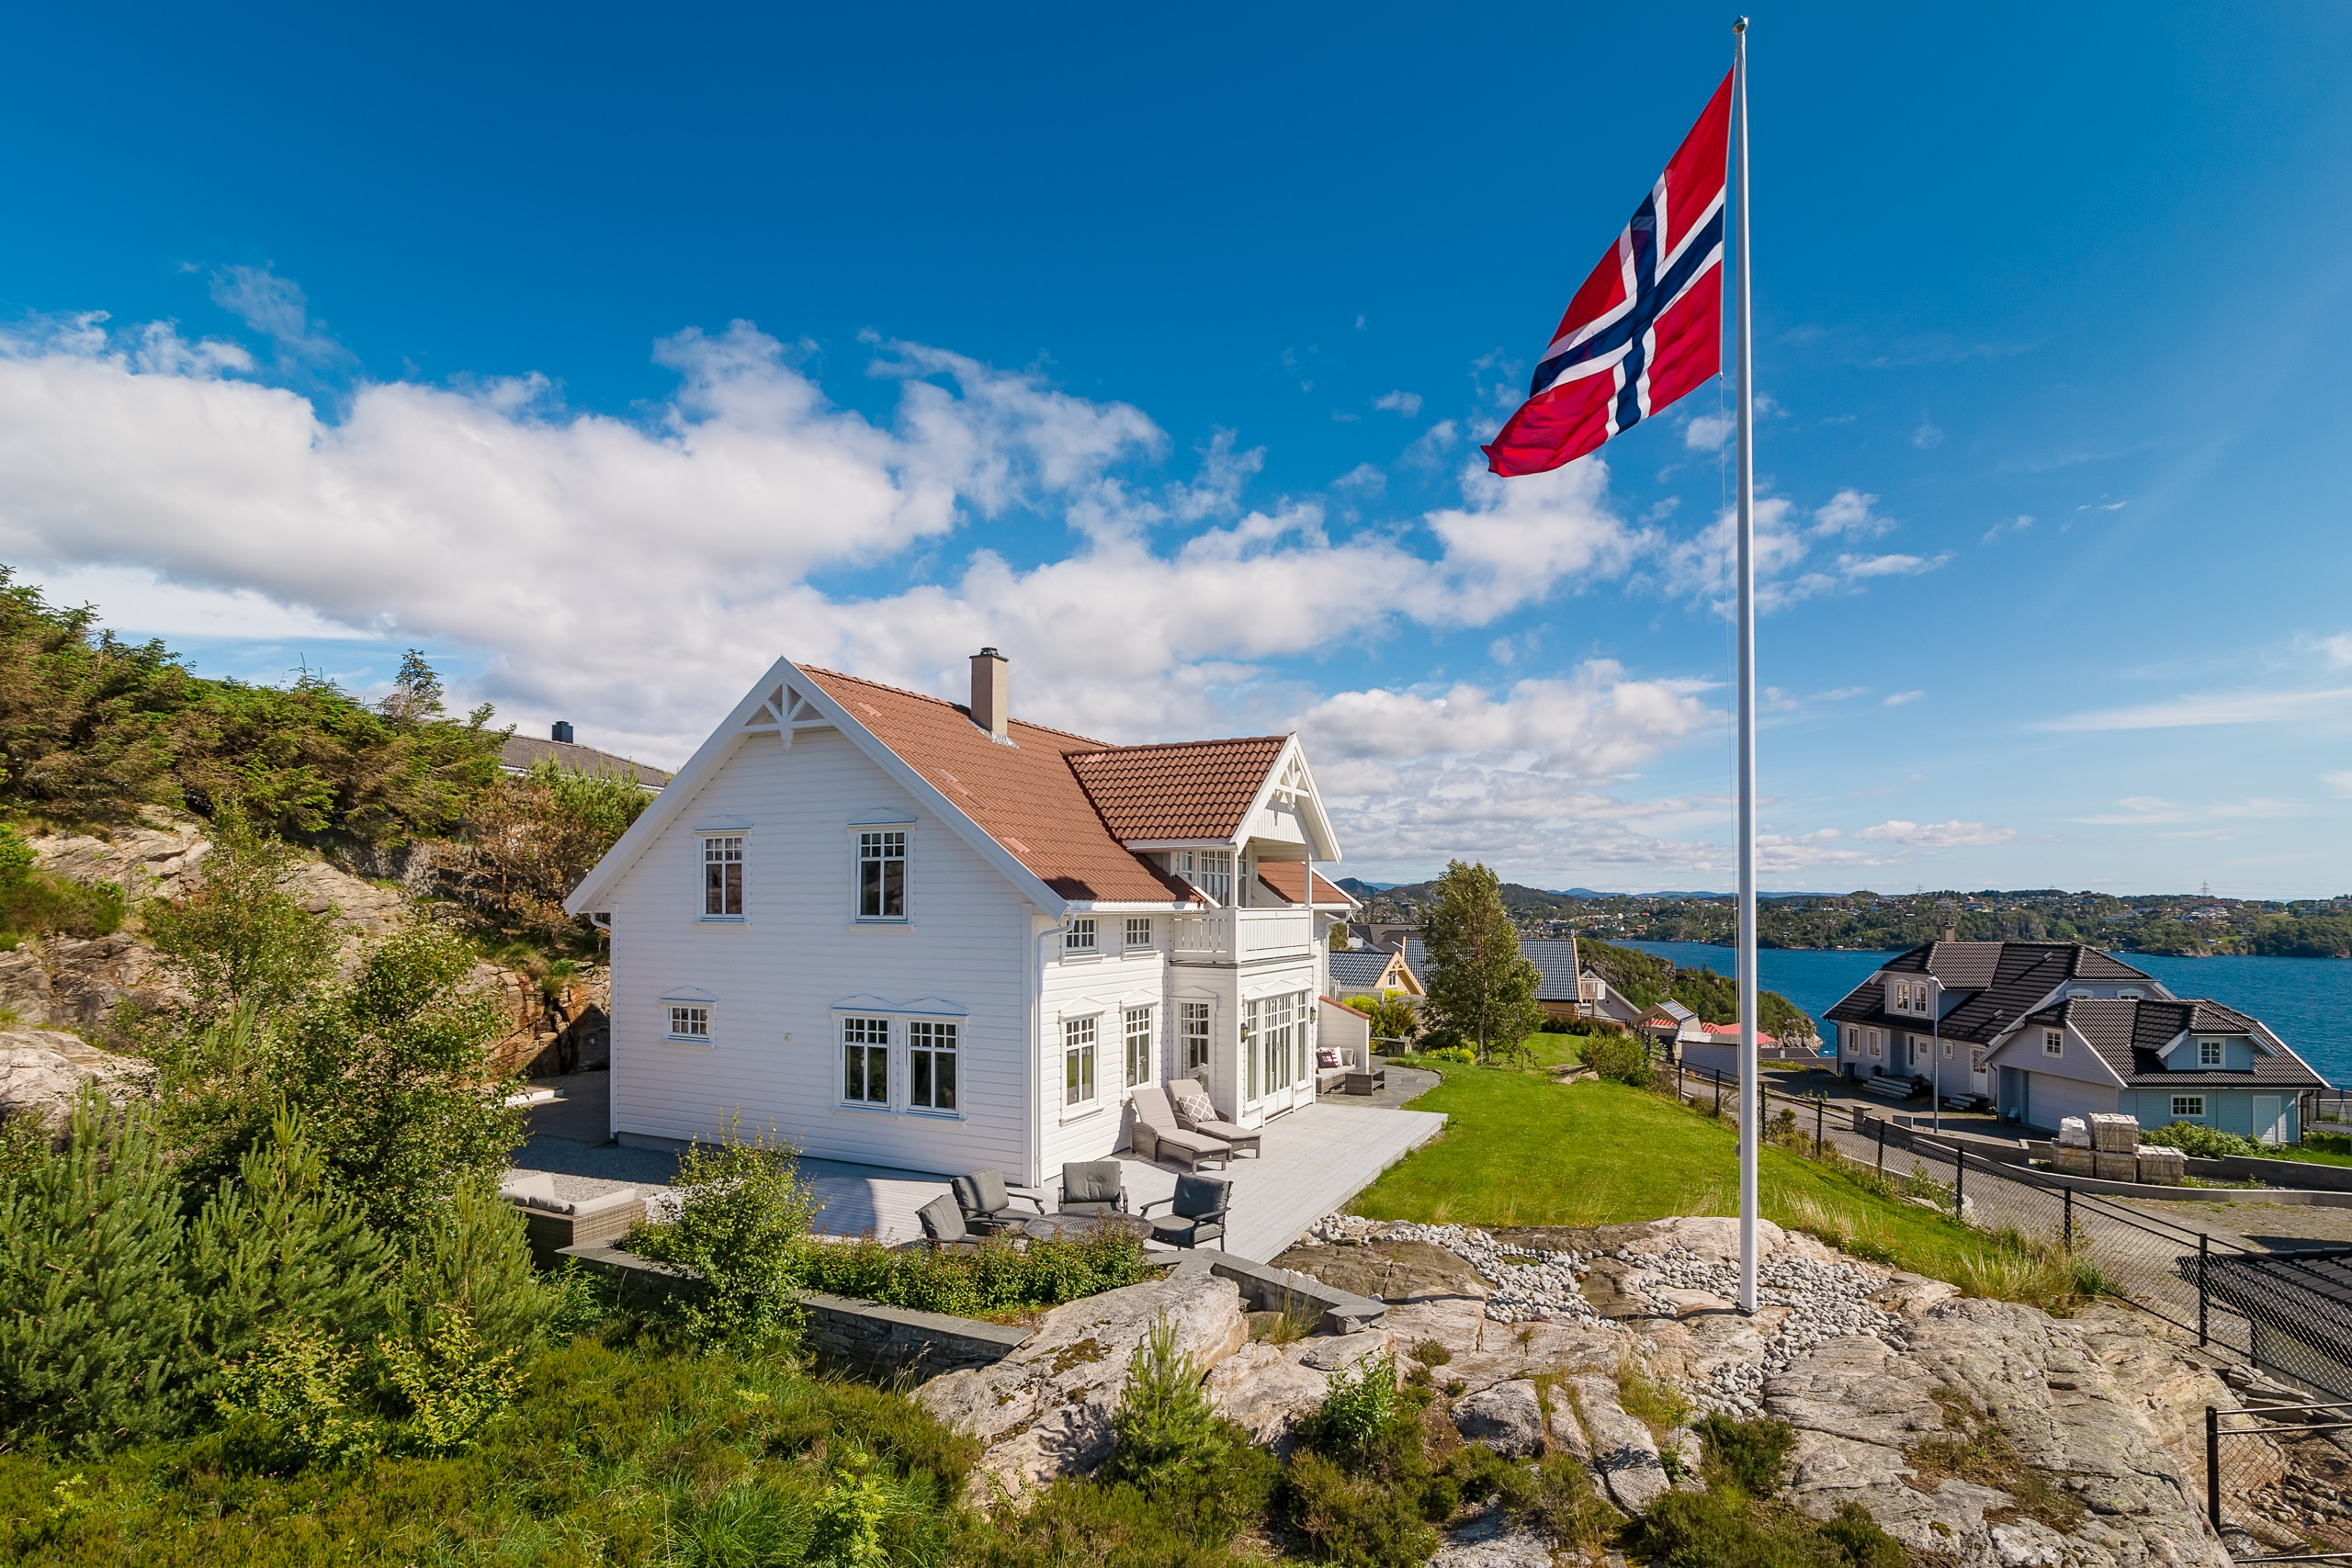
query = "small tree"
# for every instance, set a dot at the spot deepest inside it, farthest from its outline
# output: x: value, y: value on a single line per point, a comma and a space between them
x: 1479, y: 984
x: 741, y: 1213
x: 1167, y: 1432
x: 241, y: 939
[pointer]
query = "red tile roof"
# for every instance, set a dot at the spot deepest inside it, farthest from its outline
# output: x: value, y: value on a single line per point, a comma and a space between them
x: 1028, y: 796
x: 1193, y: 789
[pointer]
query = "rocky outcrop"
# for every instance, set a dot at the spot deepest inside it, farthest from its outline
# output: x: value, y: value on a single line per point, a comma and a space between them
x: 43, y: 1073
x: 1507, y: 1417
x: 62, y: 982
x: 1045, y: 1410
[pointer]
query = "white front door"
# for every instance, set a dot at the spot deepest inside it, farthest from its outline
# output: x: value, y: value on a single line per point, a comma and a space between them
x: 2268, y: 1119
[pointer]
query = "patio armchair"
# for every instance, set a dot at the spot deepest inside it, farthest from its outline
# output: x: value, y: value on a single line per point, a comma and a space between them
x: 943, y: 1226
x: 1196, y: 1113
x: 1197, y: 1212
x: 987, y: 1201
x: 1092, y: 1187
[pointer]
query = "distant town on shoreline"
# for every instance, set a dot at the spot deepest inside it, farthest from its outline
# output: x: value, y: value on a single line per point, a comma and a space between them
x: 2194, y: 925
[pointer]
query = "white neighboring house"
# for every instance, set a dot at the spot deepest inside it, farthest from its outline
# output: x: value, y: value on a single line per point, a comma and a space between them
x: 910, y: 932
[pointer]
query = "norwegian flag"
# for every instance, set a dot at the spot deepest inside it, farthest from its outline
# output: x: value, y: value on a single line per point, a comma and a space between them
x: 1647, y: 326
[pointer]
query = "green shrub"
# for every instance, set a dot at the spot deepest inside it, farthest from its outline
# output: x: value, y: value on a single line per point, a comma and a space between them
x: 1168, y: 1436
x: 473, y: 1255
x: 1000, y: 1276
x: 1726, y: 1529
x: 1620, y: 1057
x: 452, y: 1383
x: 2200, y: 1141
x: 1207, y: 1524
x: 1749, y: 1454
x: 241, y: 939
x: 1359, y: 1521
x: 297, y: 1398
x: 39, y: 903
x: 1361, y: 1407
x: 742, y: 1213
x: 94, y: 1314
x: 1461, y: 1053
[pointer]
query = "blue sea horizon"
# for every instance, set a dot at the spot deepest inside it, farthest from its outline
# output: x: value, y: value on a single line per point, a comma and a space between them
x: 2307, y: 1002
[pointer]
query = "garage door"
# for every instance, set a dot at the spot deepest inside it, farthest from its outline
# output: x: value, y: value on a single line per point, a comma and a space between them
x: 2050, y: 1098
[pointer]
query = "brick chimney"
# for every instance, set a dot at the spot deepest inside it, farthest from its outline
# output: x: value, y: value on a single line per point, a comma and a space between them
x: 990, y: 694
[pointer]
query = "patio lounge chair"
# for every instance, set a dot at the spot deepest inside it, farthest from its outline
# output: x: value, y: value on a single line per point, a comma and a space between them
x: 1198, y: 1211
x: 1092, y: 1187
x: 1194, y: 1114
x: 987, y: 1203
x: 1159, y: 1136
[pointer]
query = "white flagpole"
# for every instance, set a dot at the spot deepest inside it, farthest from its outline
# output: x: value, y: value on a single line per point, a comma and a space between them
x: 1750, y: 1114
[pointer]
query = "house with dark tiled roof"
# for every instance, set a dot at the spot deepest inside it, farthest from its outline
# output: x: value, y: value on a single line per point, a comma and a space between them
x: 915, y: 932
x: 521, y: 753
x: 1372, y: 972
x: 2051, y: 1030
x: 1558, y: 990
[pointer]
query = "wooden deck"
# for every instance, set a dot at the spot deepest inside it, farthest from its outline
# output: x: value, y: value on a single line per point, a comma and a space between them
x: 1317, y: 1159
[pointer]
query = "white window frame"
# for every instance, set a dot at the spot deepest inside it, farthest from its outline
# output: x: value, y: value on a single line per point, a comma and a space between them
x: 934, y: 1042
x: 683, y: 1016
x: 2186, y: 1107
x: 882, y: 838
x: 1210, y: 872
x: 1138, y: 932
x: 1135, y: 1035
x: 1903, y: 995
x: 2212, y: 1053
x: 721, y: 843
x: 1187, y: 1015
x: 857, y: 1033
x: 1082, y: 1066
x: 1874, y: 1043
x: 2054, y: 1041
x: 1251, y: 1091
x: 1080, y: 935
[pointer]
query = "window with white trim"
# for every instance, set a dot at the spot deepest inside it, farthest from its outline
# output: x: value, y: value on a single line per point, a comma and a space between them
x: 1080, y: 935
x: 865, y: 1061
x: 1250, y: 1012
x: 1903, y: 995
x: 931, y: 1066
x: 2054, y: 1041
x: 2208, y: 1053
x: 2188, y: 1105
x: 722, y: 878
x: 1077, y: 1062
x: 882, y: 875
x: 1949, y: 1047
x: 1138, y: 1039
x: 1194, y: 1023
x: 1874, y: 1046
x: 1211, y: 871
x: 1138, y: 930
x: 690, y: 1023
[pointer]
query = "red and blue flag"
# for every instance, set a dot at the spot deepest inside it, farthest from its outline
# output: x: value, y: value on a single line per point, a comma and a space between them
x: 1647, y: 326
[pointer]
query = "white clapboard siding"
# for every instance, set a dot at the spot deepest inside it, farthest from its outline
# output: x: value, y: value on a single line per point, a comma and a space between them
x: 778, y: 973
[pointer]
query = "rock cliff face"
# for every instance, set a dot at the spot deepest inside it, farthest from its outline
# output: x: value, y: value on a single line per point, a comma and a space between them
x: 43, y: 1072
x: 66, y: 983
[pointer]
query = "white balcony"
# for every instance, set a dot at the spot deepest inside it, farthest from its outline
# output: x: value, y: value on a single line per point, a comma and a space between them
x: 1243, y: 936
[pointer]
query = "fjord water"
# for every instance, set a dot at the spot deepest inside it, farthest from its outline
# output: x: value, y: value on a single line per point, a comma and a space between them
x: 2307, y: 1002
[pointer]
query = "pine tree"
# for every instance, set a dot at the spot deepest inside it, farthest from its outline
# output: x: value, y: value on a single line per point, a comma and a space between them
x: 474, y: 1255
x: 279, y: 1245
x: 1479, y: 985
x: 94, y: 1314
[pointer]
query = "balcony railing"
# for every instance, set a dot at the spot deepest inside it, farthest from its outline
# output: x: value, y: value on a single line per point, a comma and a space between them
x: 1239, y: 936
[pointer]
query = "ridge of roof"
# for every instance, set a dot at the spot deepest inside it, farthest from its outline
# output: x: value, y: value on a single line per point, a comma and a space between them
x: 963, y: 708
x: 1102, y: 746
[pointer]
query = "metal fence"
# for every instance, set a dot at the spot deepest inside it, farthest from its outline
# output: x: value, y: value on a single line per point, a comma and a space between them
x: 2249, y: 1484
x: 2289, y: 1313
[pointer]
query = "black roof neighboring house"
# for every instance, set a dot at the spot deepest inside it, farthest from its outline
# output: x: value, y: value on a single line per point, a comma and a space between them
x: 2128, y: 1034
x: 1357, y: 970
x: 1997, y: 983
x: 1555, y: 959
x: 521, y: 752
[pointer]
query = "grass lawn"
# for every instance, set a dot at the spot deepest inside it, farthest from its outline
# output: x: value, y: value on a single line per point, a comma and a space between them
x: 1522, y: 1150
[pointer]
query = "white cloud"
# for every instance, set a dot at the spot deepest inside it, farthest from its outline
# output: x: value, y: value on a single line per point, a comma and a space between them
x: 1854, y: 567
x: 1362, y: 479
x: 2144, y: 810
x: 276, y: 307
x: 1432, y: 446
x: 2016, y: 524
x: 1938, y: 835
x: 1409, y: 404
x: 1707, y: 432
x: 2337, y: 648
x: 1701, y: 566
x: 1897, y: 699
x: 2208, y: 708
x: 2340, y: 783
x: 1848, y: 515
x: 1927, y: 435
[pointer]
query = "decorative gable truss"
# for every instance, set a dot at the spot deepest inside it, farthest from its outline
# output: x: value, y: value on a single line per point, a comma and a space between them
x: 782, y: 709
x: 1292, y: 784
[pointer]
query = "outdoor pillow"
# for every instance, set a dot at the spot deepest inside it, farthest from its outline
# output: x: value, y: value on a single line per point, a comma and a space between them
x: 534, y: 1187
x: 1193, y: 1110
x: 1327, y: 1059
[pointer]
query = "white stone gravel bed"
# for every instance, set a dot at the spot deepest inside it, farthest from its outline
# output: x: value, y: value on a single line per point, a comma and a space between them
x: 1545, y: 1286
x: 1825, y: 1302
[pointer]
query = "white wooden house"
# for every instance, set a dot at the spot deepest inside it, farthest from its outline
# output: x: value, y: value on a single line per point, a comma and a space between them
x: 910, y: 933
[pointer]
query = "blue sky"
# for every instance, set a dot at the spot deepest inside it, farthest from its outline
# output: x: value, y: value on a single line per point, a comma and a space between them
x: 607, y: 356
